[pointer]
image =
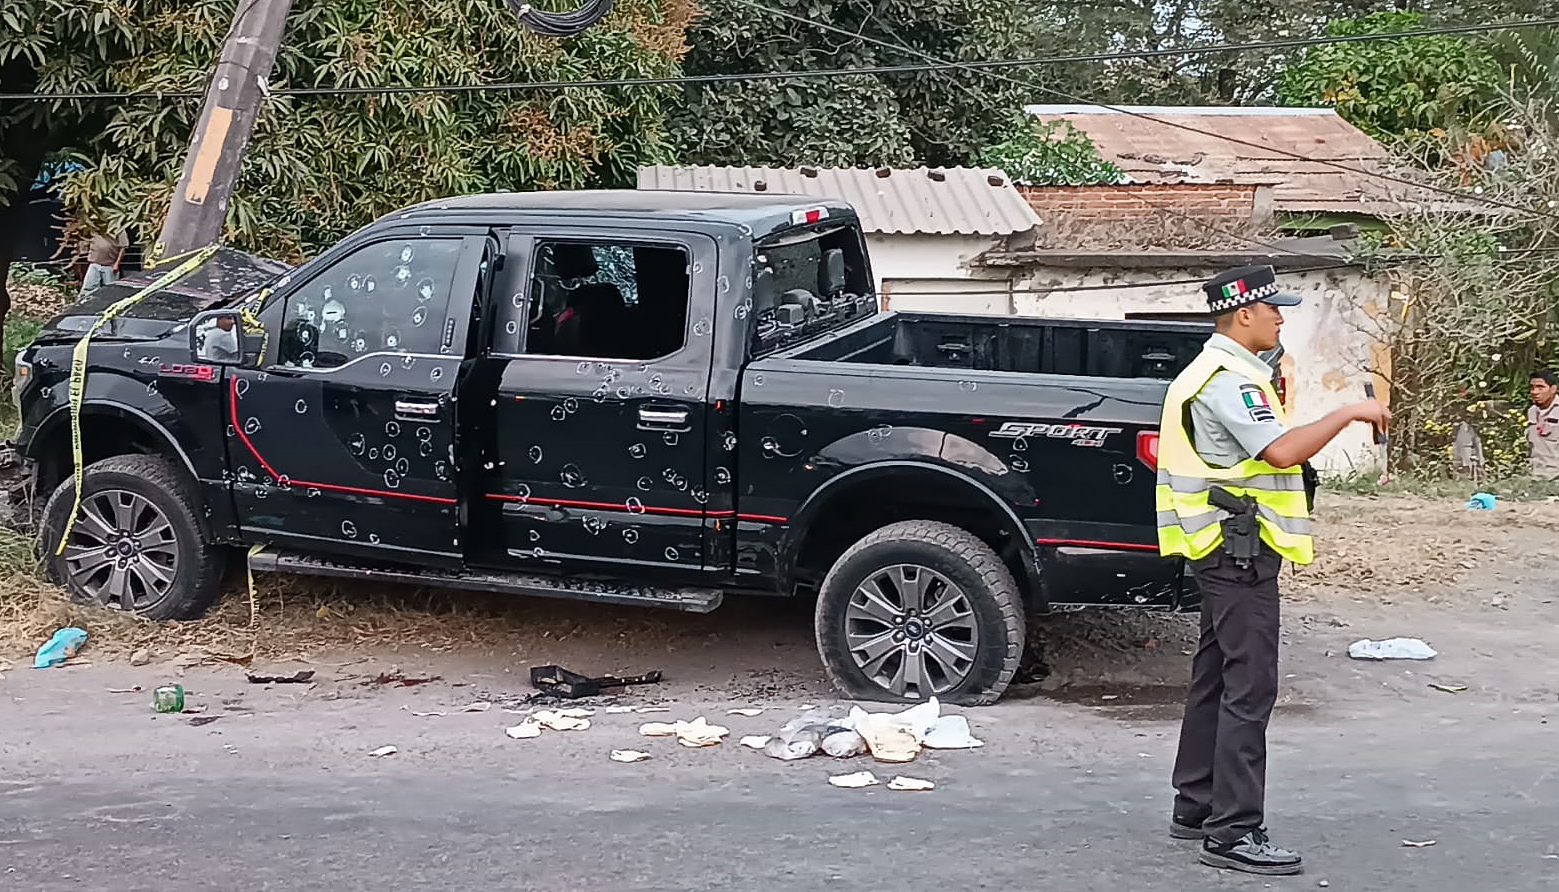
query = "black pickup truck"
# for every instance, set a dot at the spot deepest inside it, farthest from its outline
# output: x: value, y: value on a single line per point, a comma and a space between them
x: 630, y: 397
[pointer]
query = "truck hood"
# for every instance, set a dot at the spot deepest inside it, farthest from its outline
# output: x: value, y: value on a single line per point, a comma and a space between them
x: 226, y: 275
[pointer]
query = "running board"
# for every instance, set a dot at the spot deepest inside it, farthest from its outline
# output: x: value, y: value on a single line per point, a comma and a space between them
x: 689, y: 600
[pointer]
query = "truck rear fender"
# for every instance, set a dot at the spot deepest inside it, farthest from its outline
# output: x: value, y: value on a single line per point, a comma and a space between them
x: 911, y: 474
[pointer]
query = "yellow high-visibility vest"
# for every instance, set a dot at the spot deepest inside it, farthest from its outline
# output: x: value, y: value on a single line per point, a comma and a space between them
x: 1188, y: 524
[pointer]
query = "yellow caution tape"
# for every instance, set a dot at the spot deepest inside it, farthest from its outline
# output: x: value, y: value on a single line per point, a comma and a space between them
x: 78, y: 371
x: 252, y: 322
x: 154, y: 259
x: 254, y: 610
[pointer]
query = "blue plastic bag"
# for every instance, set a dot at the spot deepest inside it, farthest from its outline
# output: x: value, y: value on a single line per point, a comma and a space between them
x: 61, y: 646
x: 1482, y: 500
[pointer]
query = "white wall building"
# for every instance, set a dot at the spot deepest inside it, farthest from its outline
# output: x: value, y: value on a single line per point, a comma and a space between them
x: 1330, y: 350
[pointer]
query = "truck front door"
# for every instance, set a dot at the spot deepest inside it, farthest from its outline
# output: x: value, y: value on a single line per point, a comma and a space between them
x: 344, y: 440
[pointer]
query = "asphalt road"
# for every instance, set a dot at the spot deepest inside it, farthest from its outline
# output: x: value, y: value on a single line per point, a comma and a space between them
x: 280, y: 794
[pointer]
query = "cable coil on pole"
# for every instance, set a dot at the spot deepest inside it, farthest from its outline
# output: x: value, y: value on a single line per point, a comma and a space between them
x: 560, y: 24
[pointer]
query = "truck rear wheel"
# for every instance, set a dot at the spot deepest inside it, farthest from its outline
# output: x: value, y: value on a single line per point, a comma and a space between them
x: 919, y: 609
x: 138, y: 543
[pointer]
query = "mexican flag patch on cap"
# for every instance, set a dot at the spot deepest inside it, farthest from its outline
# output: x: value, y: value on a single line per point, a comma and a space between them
x: 1234, y: 288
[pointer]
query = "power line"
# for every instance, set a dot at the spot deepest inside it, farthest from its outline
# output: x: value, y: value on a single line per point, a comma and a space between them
x: 823, y: 73
x: 1146, y: 117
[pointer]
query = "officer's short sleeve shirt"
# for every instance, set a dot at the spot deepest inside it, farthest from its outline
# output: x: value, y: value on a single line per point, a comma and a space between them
x: 1231, y: 417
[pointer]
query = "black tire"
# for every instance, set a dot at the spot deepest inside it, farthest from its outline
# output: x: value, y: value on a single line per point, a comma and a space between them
x: 197, y: 573
x: 995, y: 608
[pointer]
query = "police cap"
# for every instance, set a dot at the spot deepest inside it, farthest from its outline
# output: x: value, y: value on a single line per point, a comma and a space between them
x: 1228, y: 291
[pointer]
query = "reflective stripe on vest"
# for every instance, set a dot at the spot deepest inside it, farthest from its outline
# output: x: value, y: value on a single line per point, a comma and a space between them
x: 1188, y: 524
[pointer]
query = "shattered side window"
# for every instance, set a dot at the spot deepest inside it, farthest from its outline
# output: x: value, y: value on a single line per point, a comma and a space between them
x: 386, y: 297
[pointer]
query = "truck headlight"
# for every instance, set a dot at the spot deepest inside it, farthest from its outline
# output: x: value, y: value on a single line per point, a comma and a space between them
x: 22, y: 374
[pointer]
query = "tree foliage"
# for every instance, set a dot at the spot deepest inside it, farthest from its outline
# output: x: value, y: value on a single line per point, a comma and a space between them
x: 320, y: 166
x: 939, y: 118
x: 1050, y: 153
x: 1397, y: 88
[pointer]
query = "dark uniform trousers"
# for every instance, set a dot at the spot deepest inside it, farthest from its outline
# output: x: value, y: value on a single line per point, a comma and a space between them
x: 1221, y: 769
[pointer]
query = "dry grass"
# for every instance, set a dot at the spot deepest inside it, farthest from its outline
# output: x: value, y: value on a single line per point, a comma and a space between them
x: 1365, y: 546
x: 1408, y: 543
x: 38, y: 301
x: 294, y: 616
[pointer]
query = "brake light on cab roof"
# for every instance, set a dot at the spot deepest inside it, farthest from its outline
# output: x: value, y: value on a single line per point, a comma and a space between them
x: 809, y: 215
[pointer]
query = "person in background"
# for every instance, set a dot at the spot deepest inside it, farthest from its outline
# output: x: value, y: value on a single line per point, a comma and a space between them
x: 104, y: 254
x: 1543, y: 424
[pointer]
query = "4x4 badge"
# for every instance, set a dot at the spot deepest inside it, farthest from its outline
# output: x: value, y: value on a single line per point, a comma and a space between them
x: 1079, y: 434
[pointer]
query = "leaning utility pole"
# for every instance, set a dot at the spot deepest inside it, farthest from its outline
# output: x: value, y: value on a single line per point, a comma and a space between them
x: 216, y: 149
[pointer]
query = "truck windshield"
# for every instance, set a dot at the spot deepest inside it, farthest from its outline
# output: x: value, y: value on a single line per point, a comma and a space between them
x: 810, y: 282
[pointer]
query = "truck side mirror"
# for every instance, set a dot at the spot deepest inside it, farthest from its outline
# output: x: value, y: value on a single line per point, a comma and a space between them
x: 217, y: 337
x: 833, y: 273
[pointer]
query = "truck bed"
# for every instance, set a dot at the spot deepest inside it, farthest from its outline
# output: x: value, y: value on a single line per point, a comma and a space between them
x: 1058, y: 417
x: 1090, y: 347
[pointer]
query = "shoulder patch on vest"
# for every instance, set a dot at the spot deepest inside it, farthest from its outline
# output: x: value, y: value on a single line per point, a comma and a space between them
x: 1256, y: 404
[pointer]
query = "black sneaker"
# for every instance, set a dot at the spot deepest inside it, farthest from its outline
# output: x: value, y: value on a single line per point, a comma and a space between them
x: 1184, y: 828
x: 1251, y: 853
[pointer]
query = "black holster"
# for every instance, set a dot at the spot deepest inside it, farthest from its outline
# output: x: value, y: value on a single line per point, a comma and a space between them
x: 1241, y: 539
x: 1312, y: 483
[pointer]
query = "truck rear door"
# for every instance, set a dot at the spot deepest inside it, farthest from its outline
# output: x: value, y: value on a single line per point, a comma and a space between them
x: 601, y: 353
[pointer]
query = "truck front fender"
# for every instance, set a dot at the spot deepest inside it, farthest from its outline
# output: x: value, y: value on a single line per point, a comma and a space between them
x: 114, y: 398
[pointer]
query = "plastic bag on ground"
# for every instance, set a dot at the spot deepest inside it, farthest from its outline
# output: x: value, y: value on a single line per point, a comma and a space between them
x: 1391, y: 649
x: 896, y: 737
x: 61, y: 646
x: 843, y: 743
x: 888, y: 742
x: 558, y: 720
x: 950, y: 732
x: 803, y: 735
x: 793, y: 743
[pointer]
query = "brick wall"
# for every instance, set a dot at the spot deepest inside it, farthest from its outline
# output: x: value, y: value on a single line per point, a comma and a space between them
x: 1170, y: 215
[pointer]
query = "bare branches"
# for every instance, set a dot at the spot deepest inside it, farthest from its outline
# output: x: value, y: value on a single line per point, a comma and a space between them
x: 1475, y: 291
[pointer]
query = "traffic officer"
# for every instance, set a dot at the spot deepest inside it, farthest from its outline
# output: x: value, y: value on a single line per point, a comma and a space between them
x: 1232, y: 500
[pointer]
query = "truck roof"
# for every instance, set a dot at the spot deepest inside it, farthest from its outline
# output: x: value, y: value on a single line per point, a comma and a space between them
x: 763, y: 213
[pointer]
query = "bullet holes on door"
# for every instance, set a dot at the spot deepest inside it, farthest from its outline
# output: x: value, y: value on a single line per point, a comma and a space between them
x: 386, y: 297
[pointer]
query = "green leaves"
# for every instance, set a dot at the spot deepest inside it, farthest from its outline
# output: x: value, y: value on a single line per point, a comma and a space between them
x: 319, y: 167
x: 1052, y: 153
x: 1395, y: 88
x: 860, y: 120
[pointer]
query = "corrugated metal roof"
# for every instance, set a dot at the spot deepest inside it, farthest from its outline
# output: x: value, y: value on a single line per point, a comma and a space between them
x: 1151, y: 152
x: 936, y: 201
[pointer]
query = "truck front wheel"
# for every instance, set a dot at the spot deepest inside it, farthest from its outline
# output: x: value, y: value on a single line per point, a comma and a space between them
x: 137, y: 544
x: 920, y: 609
